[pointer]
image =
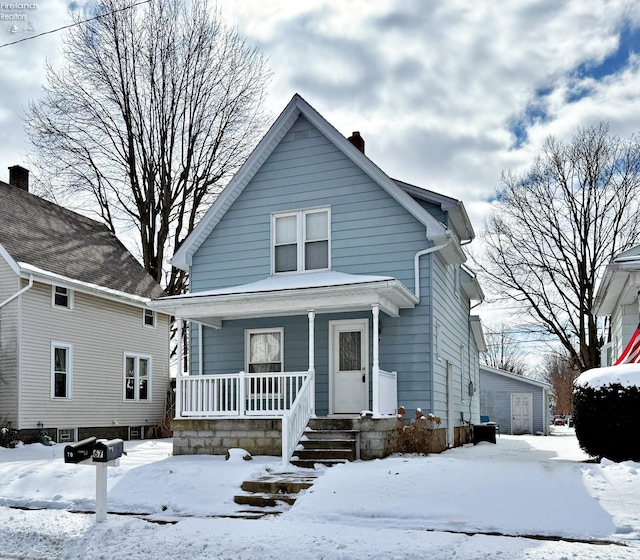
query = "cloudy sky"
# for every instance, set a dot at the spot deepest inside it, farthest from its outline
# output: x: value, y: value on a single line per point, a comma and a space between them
x: 447, y: 93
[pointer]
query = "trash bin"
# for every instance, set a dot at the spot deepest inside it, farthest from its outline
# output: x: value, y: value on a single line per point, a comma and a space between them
x: 484, y: 432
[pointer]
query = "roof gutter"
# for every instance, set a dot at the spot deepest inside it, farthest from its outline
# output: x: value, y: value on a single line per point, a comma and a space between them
x: 416, y: 261
x: 18, y: 293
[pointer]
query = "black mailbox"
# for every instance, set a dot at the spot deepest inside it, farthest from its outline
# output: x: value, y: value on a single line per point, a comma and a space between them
x: 79, y: 451
x: 107, y: 450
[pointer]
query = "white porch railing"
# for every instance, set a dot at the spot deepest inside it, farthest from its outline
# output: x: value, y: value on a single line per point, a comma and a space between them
x: 296, y: 419
x: 385, y: 392
x: 239, y: 394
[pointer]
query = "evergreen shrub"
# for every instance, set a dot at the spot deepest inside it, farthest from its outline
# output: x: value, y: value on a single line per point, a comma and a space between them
x: 9, y: 437
x: 607, y: 421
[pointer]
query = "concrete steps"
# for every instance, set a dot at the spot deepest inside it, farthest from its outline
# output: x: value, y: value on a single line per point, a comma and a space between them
x: 272, y: 493
x: 327, y: 441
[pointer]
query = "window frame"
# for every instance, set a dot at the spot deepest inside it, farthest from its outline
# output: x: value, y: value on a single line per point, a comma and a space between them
x: 301, y: 241
x: 247, y: 346
x: 152, y: 312
x: 137, y: 357
x: 68, y: 347
x: 71, y: 431
x: 69, y: 296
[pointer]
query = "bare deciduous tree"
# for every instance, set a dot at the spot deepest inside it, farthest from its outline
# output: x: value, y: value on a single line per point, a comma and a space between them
x: 560, y: 373
x: 554, y: 228
x: 504, y: 351
x: 155, y: 107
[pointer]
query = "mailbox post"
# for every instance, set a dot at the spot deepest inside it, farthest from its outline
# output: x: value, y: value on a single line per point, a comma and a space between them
x: 106, y: 453
x: 101, y: 453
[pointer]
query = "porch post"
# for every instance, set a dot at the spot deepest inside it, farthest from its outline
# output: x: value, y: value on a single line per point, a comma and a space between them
x: 179, y: 369
x: 376, y: 362
x: 312, y: 366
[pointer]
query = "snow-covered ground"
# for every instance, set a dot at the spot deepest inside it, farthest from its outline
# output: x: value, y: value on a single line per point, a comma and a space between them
x: 527, y: 497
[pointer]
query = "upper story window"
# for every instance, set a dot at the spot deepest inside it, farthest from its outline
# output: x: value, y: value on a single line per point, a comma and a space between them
x: 149, y: 318
x: 62, y: 297
x: 301, y: 240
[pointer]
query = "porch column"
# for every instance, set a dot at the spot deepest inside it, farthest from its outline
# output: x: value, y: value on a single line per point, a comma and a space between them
x: 312, y: 366
x: 179, y: 369
x: 376, y: 361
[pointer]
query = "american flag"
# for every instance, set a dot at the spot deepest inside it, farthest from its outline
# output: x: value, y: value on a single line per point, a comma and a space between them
x: 631, y: 354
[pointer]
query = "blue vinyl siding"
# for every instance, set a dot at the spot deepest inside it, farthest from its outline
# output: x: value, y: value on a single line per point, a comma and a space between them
x: 371, y: 233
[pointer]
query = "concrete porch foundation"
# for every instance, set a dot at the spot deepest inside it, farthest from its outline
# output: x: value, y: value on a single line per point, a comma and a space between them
x: 377, y: 436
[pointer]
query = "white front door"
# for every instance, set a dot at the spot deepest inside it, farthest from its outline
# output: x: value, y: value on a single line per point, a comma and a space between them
x: 521, y: 413
x: 348, y: 366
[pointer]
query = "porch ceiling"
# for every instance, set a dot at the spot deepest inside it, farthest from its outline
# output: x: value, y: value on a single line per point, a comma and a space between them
x: 323, y: 292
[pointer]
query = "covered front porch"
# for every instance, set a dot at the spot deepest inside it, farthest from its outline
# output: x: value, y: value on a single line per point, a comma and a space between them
x: 289, y: 397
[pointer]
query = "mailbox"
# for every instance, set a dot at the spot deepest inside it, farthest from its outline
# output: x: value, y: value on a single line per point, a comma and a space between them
x: 79, y: 451
x: 107, y: 450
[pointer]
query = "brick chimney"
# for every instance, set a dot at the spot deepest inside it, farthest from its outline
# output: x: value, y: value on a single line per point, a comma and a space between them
x: 19, y: 177
x: 357, y: 140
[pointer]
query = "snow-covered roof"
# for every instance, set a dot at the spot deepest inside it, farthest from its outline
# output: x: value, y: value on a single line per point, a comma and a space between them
x: 620, y: 283
x: 49, y: 238
x: 627, y: 375
x: 293, y: 294
x: 435, y: 230
x: 291, y: 282
x: 515, y: 376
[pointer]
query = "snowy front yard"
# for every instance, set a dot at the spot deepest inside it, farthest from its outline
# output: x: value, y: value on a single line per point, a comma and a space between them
x: 466, y: 503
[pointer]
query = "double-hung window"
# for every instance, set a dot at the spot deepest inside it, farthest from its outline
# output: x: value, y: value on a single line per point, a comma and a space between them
x: 264, y: 350
x: 61, y: 370
x: 301, y: 240
x: 137, y: 377
x: 149, y: 318
x: 62, y: 297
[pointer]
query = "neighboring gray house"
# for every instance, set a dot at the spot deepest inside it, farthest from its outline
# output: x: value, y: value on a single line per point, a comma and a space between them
x: 81, y: 352
x: 518, y: 404
x: 320, y: 286
x: 617, y: 298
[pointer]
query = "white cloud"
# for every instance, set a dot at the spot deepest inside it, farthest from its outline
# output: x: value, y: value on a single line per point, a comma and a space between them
x: 434, y: 87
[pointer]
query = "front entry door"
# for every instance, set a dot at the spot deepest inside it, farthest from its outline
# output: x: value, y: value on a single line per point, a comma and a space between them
x: 521, y: 413
x: 349, y: 371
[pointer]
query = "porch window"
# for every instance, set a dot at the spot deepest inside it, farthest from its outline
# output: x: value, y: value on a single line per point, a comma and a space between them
x: 264, y: 350
x: 137, y: 377
x: 61, y: 370
x: 301, y: 240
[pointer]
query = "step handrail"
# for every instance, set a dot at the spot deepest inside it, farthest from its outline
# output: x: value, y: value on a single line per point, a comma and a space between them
x: 295, y: 420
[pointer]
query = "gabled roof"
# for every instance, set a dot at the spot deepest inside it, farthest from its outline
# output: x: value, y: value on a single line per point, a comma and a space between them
x: 455, y: 209
x: 435, y: 231
x: 620, y: 284
x: 40, y: 238
x: 515, y: 376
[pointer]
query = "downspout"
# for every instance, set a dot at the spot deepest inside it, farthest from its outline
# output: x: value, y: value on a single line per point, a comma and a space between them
x: 416, y: 261
x: 18, y: 293
x: 416, y: 289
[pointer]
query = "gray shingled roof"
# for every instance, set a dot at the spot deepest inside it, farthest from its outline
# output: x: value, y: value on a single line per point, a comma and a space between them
x: 47, y: 236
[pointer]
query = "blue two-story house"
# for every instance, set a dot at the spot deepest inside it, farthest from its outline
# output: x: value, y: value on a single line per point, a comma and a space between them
x: 320, y: 287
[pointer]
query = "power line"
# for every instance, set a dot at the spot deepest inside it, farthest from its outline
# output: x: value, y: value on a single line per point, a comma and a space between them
x: 74, y: 24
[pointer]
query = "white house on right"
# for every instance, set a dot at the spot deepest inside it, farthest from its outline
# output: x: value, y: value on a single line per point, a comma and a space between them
x: 617, y: 298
